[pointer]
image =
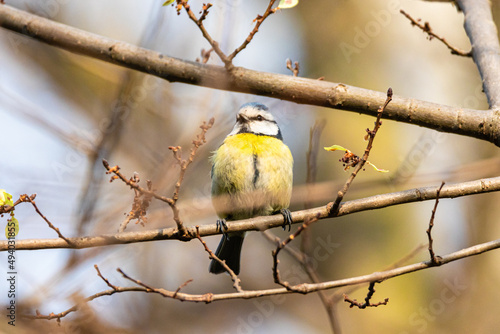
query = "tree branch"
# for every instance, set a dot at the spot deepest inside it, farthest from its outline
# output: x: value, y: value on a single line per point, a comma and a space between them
x: 267, y: 222
x: 468, y: 122
x: 304, y: 287
x: 359, y: 164
x: 431, y: 34
x: 483, y: 35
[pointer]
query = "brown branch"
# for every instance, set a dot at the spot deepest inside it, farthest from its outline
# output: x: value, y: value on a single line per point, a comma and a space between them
x: 367, y: 303
x: 469, y: 122
x: 304, y: 287
x: 434, y: 259
x: 236, y: 280
x: 428, y: 30
x: 483, y: 35
x: 266, y: 222
x: 360, y: 164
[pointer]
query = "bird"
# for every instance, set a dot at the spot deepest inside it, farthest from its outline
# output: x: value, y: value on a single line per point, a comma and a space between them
x: 252, y: 175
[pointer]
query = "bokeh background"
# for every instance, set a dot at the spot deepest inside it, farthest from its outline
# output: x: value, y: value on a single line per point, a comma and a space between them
x: 61, y: 113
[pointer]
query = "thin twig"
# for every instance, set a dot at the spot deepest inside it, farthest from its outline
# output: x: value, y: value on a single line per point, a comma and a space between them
x: 334, y: 208
x: 131, y: 183
x: 434, y: 259
x: 31, y: 200
x: 181, y: 286
x: 303, y: 257
x: 280, y: 246
x: 258, y: 21
x: 236, y: 280
x: 427, y: 29
x: 294, y: 69
x: 114, y: 287
x: 184, y: 164
x: 340, y: 294
x: 367, y: 303
x: 199, y: 22
x: 143, y: 197
x: 9, y: 208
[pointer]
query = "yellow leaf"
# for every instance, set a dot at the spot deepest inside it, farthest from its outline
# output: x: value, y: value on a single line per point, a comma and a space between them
x: 336, y: 148
x: 377, y: 169
x: 168, y: 2
x: 12, y: 228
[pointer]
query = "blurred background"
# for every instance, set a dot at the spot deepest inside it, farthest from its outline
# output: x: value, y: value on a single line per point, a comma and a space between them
x: 61, y: 114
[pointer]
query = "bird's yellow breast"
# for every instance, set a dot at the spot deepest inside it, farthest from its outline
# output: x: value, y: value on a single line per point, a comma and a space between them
x: 247, y: 166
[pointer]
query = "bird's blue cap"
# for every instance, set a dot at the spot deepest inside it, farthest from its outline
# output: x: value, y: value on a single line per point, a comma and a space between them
x: 256, y: 105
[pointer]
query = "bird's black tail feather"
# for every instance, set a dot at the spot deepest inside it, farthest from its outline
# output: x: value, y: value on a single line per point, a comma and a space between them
x: 229, y: 250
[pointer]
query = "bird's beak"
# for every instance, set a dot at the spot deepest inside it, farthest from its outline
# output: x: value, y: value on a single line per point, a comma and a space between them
x: 241, y: 119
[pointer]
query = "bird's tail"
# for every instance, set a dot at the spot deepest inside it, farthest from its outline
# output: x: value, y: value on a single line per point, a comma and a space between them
x: 229, y: 250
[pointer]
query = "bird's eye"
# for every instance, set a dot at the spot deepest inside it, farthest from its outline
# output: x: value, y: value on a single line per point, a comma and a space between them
x: 260, y: 118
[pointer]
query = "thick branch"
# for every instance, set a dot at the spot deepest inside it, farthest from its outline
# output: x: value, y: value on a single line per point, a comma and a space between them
x: 473, y: 123
x: 267, y: 222
x: 483, y: 36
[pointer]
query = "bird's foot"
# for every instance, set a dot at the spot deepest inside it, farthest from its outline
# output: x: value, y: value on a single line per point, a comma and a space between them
x: 287, y: 215
x: 222, y: 226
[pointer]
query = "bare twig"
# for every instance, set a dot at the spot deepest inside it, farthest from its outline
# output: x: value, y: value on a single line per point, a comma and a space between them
x: 266, y: 222
x: 184, y: 164
x: 304, y: 287
x: 306, y: 243
x: 280, y: 246
x: 340, y: 295
x: 434, y: 259
x: 131, y: 183
x: 258, y: 21
x: 236, y: 280
x: 10, y: 208
x: 199, y: 22
x: 114, y: 287
x: 205, y: 56
x: 359, y: 165
x: 143, y: 196
x: 426, y: 27
x: 181, y: 286
x: 367, y: 303
x: 294, y: 68
x: 75, y: 308
x: 30, y: 199
x: 226, y: 59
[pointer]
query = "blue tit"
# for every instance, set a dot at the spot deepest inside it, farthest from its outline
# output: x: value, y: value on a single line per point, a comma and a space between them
x: 252, y: 175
